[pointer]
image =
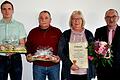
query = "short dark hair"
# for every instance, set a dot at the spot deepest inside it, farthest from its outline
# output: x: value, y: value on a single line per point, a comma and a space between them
x: 7, y: 2
x: 46, y: 12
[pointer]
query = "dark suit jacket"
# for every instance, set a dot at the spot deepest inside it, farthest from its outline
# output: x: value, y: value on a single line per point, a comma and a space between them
x: 101, y: 34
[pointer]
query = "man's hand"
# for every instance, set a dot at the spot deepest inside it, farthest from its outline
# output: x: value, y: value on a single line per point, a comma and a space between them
x: 55, y: 59
x: 29, y: 58
x: 10, y: 54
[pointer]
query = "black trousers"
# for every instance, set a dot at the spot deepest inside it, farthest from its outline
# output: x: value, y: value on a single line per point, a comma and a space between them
x: 108, y: 73
x: 11, y: 65
x: 78, y: 77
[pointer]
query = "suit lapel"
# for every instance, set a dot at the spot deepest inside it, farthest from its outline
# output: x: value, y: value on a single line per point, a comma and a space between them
x: 105, y: 34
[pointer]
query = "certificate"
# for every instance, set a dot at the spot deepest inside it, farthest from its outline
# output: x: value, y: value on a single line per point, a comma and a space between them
x: 78, y: 54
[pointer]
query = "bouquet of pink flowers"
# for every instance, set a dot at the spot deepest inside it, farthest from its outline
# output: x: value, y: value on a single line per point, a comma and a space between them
x: 100, y: 53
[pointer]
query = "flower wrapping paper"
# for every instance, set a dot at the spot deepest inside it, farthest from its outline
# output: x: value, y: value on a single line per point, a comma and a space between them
x: 100, y: 53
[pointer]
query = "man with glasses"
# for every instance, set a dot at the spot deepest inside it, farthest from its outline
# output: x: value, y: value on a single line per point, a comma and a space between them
x: 110, y: 34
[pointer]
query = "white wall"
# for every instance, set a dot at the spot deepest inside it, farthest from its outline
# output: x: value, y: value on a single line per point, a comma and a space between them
x: 26, y: 11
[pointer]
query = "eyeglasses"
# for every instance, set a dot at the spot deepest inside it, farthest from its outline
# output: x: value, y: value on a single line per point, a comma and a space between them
x: 111, y: 17
x: 76, y: 19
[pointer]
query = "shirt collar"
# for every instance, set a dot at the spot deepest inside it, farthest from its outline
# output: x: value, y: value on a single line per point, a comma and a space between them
x: 74, y: 32
x: 114, y: 28
x: 45, y: 29
x: 3, y: 21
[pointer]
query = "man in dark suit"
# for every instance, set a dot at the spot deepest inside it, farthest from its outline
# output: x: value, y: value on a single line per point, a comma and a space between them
x: 103, y: 34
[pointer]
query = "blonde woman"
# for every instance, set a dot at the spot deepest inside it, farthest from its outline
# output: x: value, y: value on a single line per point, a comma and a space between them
x: 76, y: 34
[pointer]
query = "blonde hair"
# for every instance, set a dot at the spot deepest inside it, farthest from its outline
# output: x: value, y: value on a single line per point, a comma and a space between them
x: 79, y: 13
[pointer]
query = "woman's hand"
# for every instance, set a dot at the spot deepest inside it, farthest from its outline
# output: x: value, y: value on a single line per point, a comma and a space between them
x: 74, y: 67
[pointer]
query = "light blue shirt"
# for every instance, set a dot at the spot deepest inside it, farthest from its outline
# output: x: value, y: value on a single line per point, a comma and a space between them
x: 11, y: 32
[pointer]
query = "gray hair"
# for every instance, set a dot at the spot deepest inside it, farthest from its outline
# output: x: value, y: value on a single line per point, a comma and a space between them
x: 111, y: 10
